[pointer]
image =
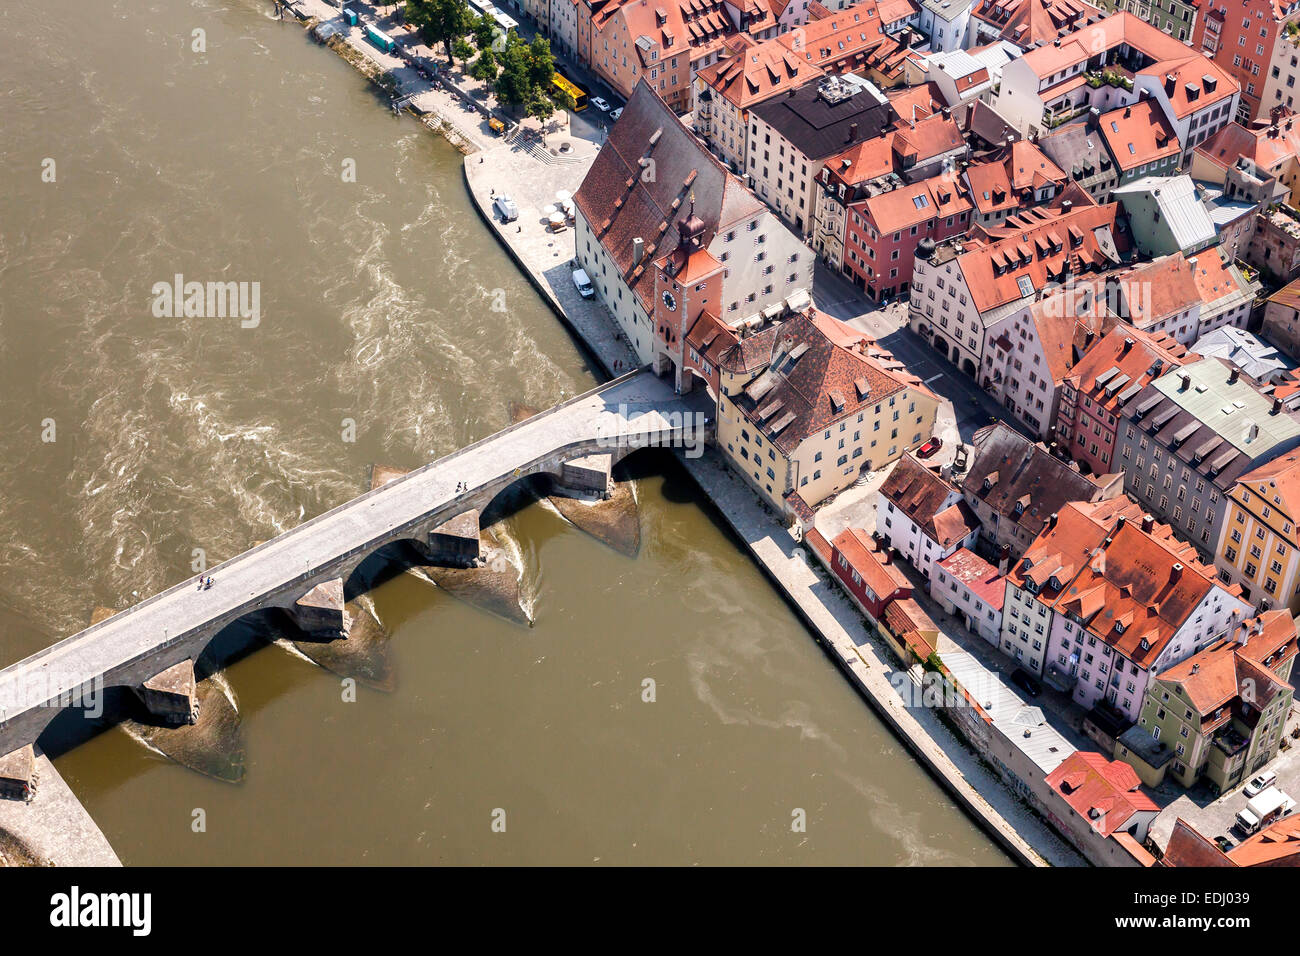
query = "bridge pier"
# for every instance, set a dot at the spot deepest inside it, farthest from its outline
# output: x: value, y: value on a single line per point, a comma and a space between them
x: 172, y: 694
x: 321, y: 614
x: 18, y: 774
x: 586, y: 476
x: 455, y: 542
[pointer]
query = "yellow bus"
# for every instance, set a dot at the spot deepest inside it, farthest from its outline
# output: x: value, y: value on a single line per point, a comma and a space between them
x: 565, y: 85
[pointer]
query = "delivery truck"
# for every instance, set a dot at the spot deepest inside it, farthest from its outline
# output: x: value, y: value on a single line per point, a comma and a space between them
x: 1263, y: 808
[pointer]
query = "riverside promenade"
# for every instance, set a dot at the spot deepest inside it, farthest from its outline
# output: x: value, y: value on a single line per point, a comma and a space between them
x: 834, y: 622
x: 54, y: 827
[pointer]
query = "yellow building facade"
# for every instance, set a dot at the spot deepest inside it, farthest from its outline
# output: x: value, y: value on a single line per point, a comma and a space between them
x: 1259, y: 547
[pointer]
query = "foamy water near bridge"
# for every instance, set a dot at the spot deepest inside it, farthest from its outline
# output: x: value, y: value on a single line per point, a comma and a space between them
x: 151, y: 648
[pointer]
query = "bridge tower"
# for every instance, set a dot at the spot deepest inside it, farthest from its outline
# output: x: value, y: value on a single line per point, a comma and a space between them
x: 688, y: 282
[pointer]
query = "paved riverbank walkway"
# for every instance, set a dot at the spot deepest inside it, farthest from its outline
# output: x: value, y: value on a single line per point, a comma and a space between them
x: 54, y: 826
x: 831, y: 615
x: 547, y: 257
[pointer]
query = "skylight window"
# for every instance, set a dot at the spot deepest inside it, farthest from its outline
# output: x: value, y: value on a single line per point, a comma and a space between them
x: 920, y: 202
x: 1026, y: 285
x: 1131, y: 150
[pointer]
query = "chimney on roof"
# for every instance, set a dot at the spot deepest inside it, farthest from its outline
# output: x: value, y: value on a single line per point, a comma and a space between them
x: 1004, y: 559
x: 1175, y: 572
x: 1066, y: 205
x: 1051, y: 521
x: 1128, y: 344
x: 1209, y: 83
x: 853, y: 132
x: 638, y: 250
x: 1120, y: 523
x: 1186, y: 382
x: 1148, y: 523
x: 1233, y: 375
x: 1128, y: 111
x: 1192, y: 263
x: 1196, y: 668
x: 1277, y: 406
x: 1171, y: 84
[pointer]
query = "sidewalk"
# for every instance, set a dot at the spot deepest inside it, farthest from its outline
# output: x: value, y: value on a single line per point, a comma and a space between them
x: 830, y: 615
x: 546, y: 257
x: 465, y: 107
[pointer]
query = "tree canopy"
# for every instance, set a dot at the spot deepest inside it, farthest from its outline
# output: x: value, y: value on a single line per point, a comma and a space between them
x: 440, y: 21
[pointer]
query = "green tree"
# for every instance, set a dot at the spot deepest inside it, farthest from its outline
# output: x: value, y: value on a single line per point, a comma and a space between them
x: 440, y: 21
x: 541, y: 63
x: 540, y: 107
x: 462, y: 50
x: 514, y: 83
x: 526, y: 72
x: 485, y: 67
x: 484, y: 30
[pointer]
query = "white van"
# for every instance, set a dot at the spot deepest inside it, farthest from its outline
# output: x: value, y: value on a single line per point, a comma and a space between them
x: 582, y: 283
x: 506, y: 208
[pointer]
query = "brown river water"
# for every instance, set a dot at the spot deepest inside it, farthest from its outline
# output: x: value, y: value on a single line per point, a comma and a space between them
x: 172, y: 434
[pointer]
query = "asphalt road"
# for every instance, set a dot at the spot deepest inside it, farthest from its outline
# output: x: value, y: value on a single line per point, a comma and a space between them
x: 972, y: 407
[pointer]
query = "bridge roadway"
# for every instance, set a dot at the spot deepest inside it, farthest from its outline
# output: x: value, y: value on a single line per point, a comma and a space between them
x: 635, y: 410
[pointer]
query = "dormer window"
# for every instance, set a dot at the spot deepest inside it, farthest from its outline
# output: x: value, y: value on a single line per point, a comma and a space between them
x: 1119, y: 629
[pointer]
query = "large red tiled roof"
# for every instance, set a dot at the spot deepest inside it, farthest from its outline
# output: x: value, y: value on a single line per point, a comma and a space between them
x: 1010, y: 177
x: 810, y: 383
x: 621, y: 203
x: 1191, y: 82
x: 1278, y: 844
x: 871, y: 562
x: 1138, y: 135
x: 758, y: 71
x: 917, y: 492
x: 1253, y: 656
x: 1267, y: 147
x: 914, y: 203
x: 1043, y: 244
x: 1137, y: 591
x: 980, y: 578
x: 1028, y: 23
x: 1104, y: 792
x: 1103, y: 35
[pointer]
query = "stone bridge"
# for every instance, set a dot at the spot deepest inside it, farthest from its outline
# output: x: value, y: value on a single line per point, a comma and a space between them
x: 151, y: 648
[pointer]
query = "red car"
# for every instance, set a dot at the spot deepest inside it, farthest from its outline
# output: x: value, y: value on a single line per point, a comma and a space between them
x: 929, y: 448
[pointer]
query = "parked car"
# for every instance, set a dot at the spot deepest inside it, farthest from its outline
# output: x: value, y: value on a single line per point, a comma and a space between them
x: 616, y: 114
x: 1223, y: 843
x: 930, y: 447
x: 582, y: 283
x: 1261, y: 783
x: 506, y: 208
x: 600, y: 103
x: 1026, y: 683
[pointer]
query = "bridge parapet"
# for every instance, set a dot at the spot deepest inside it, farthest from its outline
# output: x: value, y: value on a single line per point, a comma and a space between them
x: 576, y: 443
